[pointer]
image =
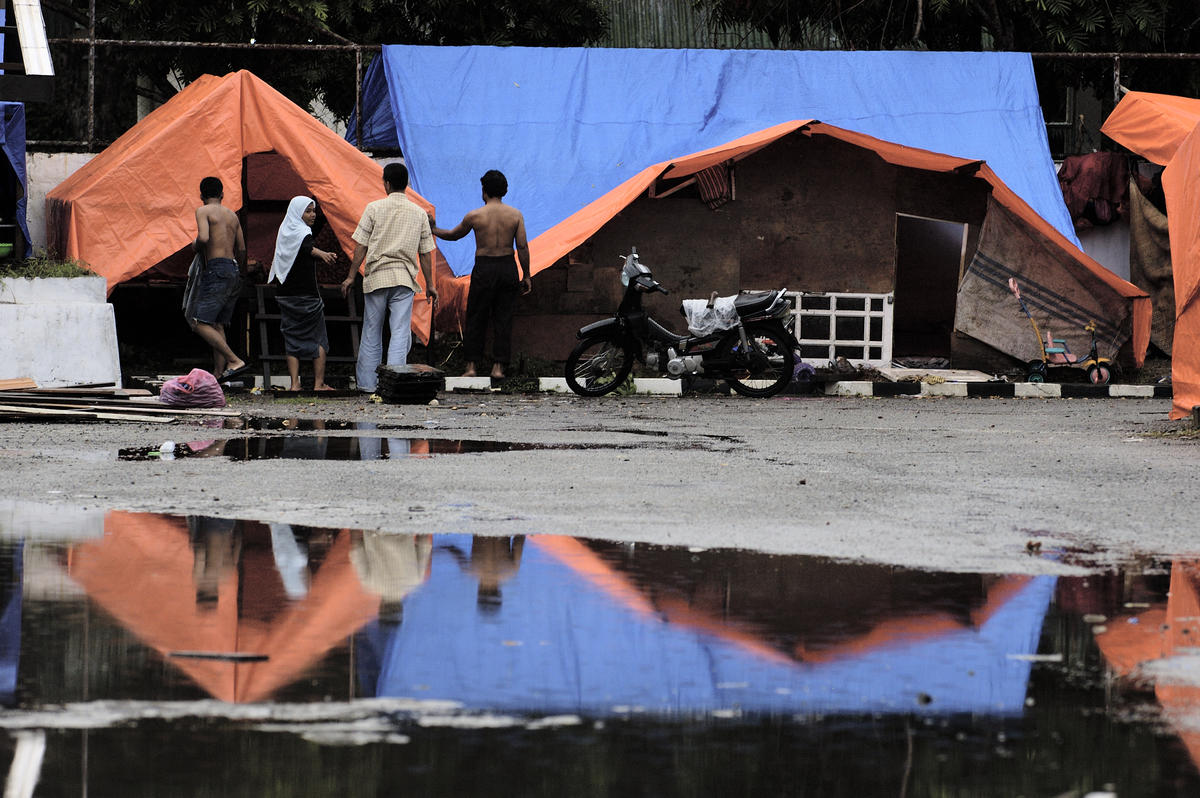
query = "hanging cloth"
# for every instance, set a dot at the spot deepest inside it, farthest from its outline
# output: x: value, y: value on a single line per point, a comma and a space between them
x: 291, y: 235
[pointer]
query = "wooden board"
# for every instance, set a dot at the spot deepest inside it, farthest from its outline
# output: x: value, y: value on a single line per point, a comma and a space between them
x: 64, y: 414
x: 17, y: 384
x: 115, y: 393
x: 131, y: 404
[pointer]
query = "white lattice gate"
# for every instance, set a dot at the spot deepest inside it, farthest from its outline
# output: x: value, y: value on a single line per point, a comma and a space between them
x: 857, y: 327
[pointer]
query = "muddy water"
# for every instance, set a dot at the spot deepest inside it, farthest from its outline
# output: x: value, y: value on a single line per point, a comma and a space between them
x: 323, y: 447
x: 145, y: 654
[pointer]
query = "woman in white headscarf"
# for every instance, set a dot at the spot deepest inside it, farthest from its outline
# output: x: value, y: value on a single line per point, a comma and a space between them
x: 301, y: 310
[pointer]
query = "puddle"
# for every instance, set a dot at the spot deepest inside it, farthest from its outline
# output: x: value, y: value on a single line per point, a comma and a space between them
x: 367, y: 441
x: 325, y: 447
x: 650, y: 669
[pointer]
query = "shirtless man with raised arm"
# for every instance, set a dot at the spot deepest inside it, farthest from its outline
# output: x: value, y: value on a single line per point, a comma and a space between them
x: 219, y: 238
x: 498, y: 229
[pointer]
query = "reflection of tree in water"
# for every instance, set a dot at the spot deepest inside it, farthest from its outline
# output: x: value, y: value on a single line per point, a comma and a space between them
x: 799, y: 605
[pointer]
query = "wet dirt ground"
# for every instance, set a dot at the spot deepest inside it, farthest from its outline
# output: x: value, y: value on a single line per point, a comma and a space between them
x: 964, y: 484
x: 629, y: 595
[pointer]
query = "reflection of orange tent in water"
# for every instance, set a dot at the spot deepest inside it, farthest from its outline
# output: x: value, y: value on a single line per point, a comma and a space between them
x: 141, y: 573
x: 858, y: 630
x: 1132, y: 644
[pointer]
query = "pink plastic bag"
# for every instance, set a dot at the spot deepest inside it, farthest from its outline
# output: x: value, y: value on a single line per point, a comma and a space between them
x: 197, y: 389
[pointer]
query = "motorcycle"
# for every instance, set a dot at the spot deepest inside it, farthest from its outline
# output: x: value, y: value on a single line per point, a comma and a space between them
x: 748, y: 344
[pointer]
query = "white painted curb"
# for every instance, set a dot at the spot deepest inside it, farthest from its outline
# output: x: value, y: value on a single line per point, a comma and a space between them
x: 850, y: 388
x: 1038, y: 390
x: 658, y: 385
x: 944, y: 389
x: 468, y: 383
x: 1132, y: 391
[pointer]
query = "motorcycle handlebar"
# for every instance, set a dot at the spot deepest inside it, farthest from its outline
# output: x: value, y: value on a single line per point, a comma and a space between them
x: 658, y: 287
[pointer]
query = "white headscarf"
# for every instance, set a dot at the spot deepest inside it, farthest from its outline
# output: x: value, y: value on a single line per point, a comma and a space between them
x: 291, y: 236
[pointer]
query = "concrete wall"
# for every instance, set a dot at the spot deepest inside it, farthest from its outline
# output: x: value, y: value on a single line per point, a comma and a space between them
x: 58, y: 332
x: 810, y: 214
x: 45, y: 171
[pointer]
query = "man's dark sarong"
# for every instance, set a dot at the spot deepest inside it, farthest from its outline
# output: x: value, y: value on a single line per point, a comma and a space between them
x: 491, y: 298
x: 303, y: 325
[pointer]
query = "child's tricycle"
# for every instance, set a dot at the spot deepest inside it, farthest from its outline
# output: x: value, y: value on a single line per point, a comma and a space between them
x: 1056, y: 353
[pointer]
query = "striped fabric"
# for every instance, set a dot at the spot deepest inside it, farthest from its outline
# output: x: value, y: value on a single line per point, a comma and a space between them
x: 715, y: 186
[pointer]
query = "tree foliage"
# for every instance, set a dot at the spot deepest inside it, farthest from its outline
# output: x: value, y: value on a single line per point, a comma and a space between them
x: 1070, y: 26
x: 122, y: 73
x: 1024, y: 25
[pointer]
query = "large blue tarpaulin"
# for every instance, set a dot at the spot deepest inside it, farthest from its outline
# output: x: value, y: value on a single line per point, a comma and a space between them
x: 566, y: 125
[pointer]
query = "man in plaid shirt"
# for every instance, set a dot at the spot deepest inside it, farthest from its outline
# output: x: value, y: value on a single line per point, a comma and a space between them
x: 393, y: 236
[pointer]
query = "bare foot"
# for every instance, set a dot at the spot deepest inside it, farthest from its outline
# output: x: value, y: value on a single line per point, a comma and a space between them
x: 322, y: 387
x: 497, y: 373
x: 295, y: 386
x: 470, y: 370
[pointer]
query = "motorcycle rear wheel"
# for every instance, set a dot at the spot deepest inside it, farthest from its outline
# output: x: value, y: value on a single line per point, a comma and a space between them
x: 773, y: 362
x: 597, y: 366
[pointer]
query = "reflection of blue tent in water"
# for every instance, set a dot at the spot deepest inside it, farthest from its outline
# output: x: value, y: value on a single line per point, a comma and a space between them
x: 10, y: 627
x: 574, y: 634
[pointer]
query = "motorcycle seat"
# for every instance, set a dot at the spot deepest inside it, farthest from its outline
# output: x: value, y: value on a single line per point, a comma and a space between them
x: 754, y: 302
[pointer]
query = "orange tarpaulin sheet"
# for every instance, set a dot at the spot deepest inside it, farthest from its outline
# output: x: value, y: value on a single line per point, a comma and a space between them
x: 1166, y: 130
x: 547, y: 248
x: 134, y: 204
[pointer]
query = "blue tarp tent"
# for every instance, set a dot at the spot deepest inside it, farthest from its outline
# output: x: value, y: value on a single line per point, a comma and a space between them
x: 13, y: 183
x: 566, y: 125
x: 561, y: 642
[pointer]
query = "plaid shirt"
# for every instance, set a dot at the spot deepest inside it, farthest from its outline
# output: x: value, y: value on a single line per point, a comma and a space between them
x: 394, y: 230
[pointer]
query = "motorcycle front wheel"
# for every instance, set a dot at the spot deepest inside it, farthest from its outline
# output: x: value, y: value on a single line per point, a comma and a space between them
x: 597, y: 366
x: 771, y: 362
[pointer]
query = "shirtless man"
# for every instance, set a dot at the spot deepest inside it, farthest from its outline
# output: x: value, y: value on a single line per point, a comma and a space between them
x: 498, y: 229
x: 219, y: 238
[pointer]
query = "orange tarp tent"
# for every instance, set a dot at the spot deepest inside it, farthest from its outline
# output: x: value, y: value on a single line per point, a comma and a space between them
x: 133, y: 205
x: 141, y: 573
x: 1166, y: 130
x: 573, y: 231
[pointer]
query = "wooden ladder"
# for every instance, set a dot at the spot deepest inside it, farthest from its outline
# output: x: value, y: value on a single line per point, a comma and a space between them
x: 352, y: 319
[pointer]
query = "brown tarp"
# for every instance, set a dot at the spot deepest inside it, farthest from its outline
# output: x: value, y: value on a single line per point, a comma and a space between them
x: 1095, y: 187
x: 1150, y: 265
x: 1061, y: 293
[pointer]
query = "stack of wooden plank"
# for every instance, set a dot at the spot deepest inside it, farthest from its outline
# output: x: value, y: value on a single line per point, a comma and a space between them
x: 22, y: 400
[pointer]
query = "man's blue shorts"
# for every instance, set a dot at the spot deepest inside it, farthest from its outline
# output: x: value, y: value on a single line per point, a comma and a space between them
x: 220, y: 285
